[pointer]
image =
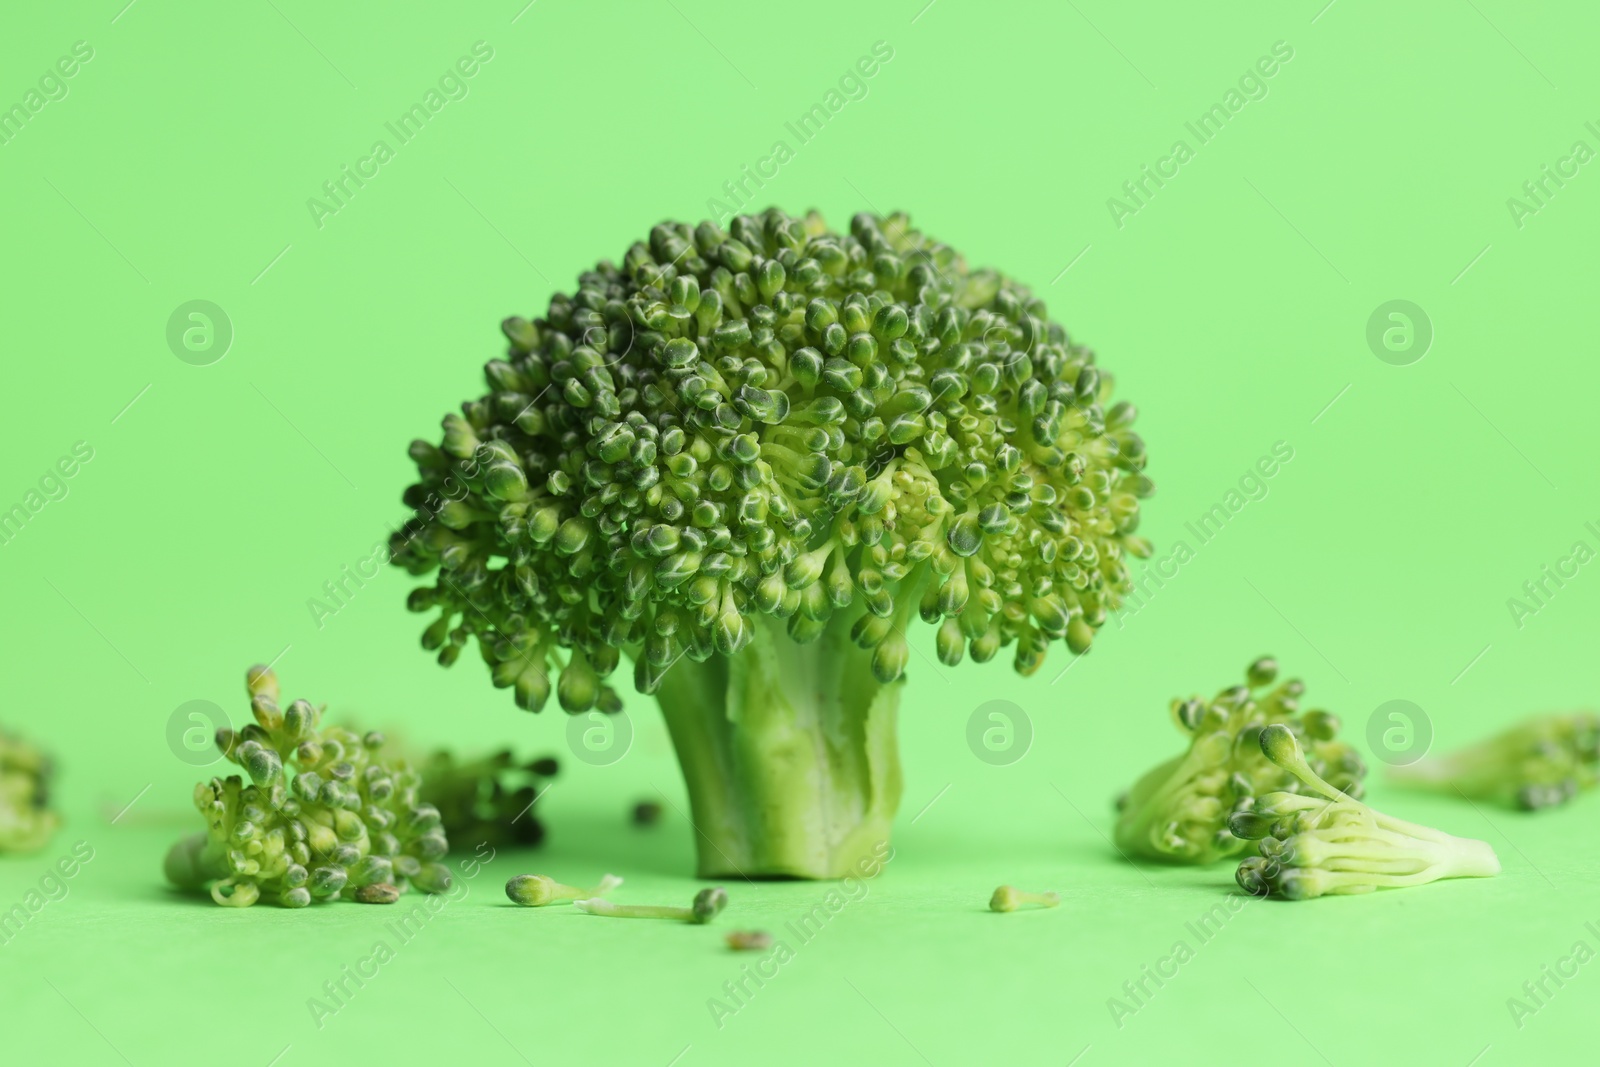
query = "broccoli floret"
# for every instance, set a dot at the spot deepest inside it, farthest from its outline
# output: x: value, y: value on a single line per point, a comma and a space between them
x: 537, y: 891
x: 323, y: 815
x: 747, y: 460
x: 26, y: 820
x: 1539, y: 763
x: 707, y: 905
x: 1178, y: 812
x: 486, y: 800
x: 1325, y: 841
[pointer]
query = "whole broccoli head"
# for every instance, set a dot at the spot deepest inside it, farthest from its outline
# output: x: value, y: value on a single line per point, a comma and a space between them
x: 1323, y: 841
x: 323, y: 815
x: 26, y: 820
x: 1178, y: 812
x: 1541, y: 762
x: 745, y: 459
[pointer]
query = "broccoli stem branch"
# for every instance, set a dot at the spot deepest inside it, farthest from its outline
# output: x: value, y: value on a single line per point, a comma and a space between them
x: 789, y: 753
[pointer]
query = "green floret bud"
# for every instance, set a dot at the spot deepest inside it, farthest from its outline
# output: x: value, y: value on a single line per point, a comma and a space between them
x: 27, y: 821
x: 326, y: 813
x: 1541, y: 762
x: 1182, y: 810
x: 727, y: 456
x: 536, y: 890
x: 1323, y: 841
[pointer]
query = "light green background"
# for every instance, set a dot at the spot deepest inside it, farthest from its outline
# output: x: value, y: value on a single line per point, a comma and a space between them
x: 1232, y: 308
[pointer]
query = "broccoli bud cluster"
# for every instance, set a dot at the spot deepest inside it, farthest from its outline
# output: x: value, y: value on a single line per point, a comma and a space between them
x: 780, y: 421
x: 1179, y: 811
x: 1542, y: 762
x: 26, y: 821
x: 322, y: 815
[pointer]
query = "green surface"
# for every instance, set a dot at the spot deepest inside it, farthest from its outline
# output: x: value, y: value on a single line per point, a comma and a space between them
x: 1232, y: 305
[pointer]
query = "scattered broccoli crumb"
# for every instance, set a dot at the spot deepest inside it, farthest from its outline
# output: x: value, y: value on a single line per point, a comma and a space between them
x: 744, y: 460
x: 708, y: 903
x: 646, y: 813
x: 1542, y: 762
x: 535, y: 890
x: 26, y: 820
x: 1010, y: 898
x: 1329, y: 842
x: 1178, y: 812
x: 323, y: 815
x: 489, y: 799
x: 749, y: 940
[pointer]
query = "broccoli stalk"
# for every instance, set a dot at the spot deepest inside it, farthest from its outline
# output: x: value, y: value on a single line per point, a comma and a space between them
x: 1539, y: 763
x: 746, y: 460
x: 1330, y: 843
x: 788, y: 751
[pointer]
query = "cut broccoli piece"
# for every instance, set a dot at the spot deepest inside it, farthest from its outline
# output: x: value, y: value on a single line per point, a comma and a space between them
x: 26, y: 820
x: 708, y: 904
x: 1539, y: 763
x: 536, y: 890
x: 1324, y: 841
x: 1010, y: 898
x: 486, y: 800
x: 323, y: 815
x: 1178, y: 812
x: 747, y: 460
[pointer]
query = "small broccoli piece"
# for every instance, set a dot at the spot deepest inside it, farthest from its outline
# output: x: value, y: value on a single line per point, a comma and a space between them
x: 323, y: 815
x: 1539, y: 763
x: 1178, y: 812
x: 535, y: 890
x: 487, y: 800
x: 708, y: 903
x: 749, y: 940
x: 1009, y: 898
x: 746, y: 460
x: 1325, y: 841
x: 26, y: 820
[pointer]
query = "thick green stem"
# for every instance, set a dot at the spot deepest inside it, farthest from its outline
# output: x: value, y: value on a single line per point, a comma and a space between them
x: 789, y: 752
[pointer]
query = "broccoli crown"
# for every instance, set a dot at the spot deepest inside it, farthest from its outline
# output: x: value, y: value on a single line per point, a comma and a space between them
x: 775, y: 420
x: 1179, y: 810
x: 26, y: 821
x: 322, y: 816
x: 1541, y: 762
x: 1323, y: 841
